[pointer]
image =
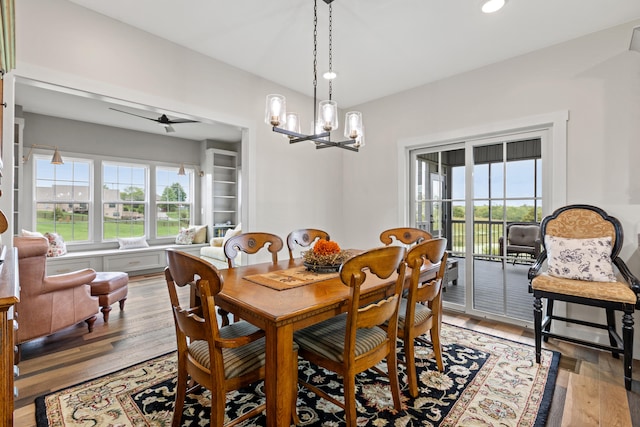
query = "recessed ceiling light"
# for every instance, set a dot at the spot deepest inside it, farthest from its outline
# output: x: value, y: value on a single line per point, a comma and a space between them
x: 330, y: 75
x: 490, y: 6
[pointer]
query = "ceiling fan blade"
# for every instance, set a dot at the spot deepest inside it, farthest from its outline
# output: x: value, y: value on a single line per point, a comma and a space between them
x: 133, y: 114
x: 169, y: 128
x: 176, y: 121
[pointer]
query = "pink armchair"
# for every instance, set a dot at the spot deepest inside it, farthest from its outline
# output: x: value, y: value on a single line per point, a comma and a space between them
x: 50, y: 303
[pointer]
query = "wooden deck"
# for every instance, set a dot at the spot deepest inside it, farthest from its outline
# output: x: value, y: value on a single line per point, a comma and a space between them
x: 489, y: 277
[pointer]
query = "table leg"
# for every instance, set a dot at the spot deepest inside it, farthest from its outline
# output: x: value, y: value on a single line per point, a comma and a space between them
x: 279, y: 375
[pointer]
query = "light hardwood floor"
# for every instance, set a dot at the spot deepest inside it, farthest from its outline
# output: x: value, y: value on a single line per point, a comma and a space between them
x: 589, y: 390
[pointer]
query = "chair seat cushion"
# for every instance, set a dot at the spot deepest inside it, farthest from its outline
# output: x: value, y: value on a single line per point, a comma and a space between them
x: 606, y: 291
x: 327, y: 338
x: 522, y: 249
x: 422, y: 313
x: 237, y: 361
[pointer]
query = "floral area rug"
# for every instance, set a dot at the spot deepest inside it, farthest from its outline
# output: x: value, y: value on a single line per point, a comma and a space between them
x: 487, y: 381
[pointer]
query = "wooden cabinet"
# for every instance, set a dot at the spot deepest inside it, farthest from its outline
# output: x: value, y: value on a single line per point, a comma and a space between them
x: 9, y: 296
x: 221, y: 191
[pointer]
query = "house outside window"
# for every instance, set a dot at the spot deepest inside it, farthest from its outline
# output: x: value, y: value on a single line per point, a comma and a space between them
x: 174, y: 200
x: 124, y: 200
x: 63, y: 198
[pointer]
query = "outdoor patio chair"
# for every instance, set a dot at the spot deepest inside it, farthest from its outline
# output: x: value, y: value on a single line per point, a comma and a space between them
x: 522, y: 238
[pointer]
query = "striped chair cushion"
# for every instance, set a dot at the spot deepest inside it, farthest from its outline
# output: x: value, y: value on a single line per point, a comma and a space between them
x: 237, y: 361
x: 327, y: 338
x: 422, y: 313
x: 238, y: 329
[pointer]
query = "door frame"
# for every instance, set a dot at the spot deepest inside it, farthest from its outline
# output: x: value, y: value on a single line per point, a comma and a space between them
x: 554, y: 160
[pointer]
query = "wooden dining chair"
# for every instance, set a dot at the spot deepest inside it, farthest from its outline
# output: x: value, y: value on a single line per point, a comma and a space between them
x: 251, y: 243
x: 304, y: 237
x: 408, y: 236
x: 355, y: 341
x: 421, y: 310
x: 220, y: 359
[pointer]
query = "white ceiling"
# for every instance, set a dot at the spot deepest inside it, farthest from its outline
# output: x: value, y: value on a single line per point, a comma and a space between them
x: 380, y: 47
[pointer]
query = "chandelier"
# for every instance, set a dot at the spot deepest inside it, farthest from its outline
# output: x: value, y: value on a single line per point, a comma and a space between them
x: 325, y: 112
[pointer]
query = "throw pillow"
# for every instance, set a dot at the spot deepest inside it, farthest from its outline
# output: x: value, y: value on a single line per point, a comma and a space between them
x: 185, y: 236
x: 217, y: 241
x: 133, y: 242
x: 57, y: 246
x: 27, y: 233
x: 581, y: 259
x: 232, y: 232
x: 201, y: 234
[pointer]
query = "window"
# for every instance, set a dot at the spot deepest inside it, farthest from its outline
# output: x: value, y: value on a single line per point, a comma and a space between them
x: 63, y: 197
x: 174, y: 200
x: 124, y: 200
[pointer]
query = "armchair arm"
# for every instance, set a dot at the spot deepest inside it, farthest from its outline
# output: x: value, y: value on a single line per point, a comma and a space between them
x: 536, y: 248
x: 535, y: 268
x: 239, y: 341
x: 629, y: 277
x: 68, y: 280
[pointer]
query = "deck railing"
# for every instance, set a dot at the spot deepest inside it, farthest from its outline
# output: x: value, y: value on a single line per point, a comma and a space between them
x: 485, y: 237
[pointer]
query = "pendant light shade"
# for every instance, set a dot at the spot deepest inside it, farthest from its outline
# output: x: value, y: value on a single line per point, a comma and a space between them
x: 276, y: 111
x: 353, y: 125
x: 328, y: 115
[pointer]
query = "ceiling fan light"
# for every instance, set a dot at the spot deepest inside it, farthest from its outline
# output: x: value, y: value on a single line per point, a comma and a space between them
x: 490, y: 6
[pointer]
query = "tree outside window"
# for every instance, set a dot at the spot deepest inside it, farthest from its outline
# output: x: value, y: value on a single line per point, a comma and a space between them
x: 174, y: 201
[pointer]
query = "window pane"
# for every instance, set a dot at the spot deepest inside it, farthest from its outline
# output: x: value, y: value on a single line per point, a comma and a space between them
x: 63, y: 198
x: 123, y: 220
x: 174, y: 197
x: 123, y: 186
x: 521, y: 178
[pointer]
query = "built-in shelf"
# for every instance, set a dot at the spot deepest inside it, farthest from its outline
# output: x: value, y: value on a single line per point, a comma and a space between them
x: 221, y: 191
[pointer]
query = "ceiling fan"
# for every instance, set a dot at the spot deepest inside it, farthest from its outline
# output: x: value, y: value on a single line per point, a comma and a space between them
x: 163, y: 120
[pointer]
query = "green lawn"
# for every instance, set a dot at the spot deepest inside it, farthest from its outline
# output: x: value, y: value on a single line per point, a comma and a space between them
x: 78, y: 229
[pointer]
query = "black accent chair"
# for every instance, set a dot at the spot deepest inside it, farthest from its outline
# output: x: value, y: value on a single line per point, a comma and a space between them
x: 581, y: 244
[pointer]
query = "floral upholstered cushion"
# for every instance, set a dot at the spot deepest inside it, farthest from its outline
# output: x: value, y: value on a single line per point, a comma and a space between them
x: 186, y: 236
x: 580, y: 259
x: 57, y: 247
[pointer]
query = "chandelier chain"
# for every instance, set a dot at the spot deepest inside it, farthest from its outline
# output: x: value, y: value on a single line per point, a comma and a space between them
x: 315, y: 57
x: 330, y: 49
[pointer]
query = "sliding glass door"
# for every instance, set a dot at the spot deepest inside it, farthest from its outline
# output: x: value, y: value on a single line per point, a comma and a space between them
x: 470, y: 192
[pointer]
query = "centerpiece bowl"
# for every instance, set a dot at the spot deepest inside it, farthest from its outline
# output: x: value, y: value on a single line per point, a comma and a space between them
x: 325, y: 257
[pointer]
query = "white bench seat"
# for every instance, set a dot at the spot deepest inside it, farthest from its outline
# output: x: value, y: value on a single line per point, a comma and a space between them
x: 138, y: 260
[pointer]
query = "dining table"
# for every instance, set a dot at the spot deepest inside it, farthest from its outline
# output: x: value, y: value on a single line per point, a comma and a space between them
x: 281, y: 298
